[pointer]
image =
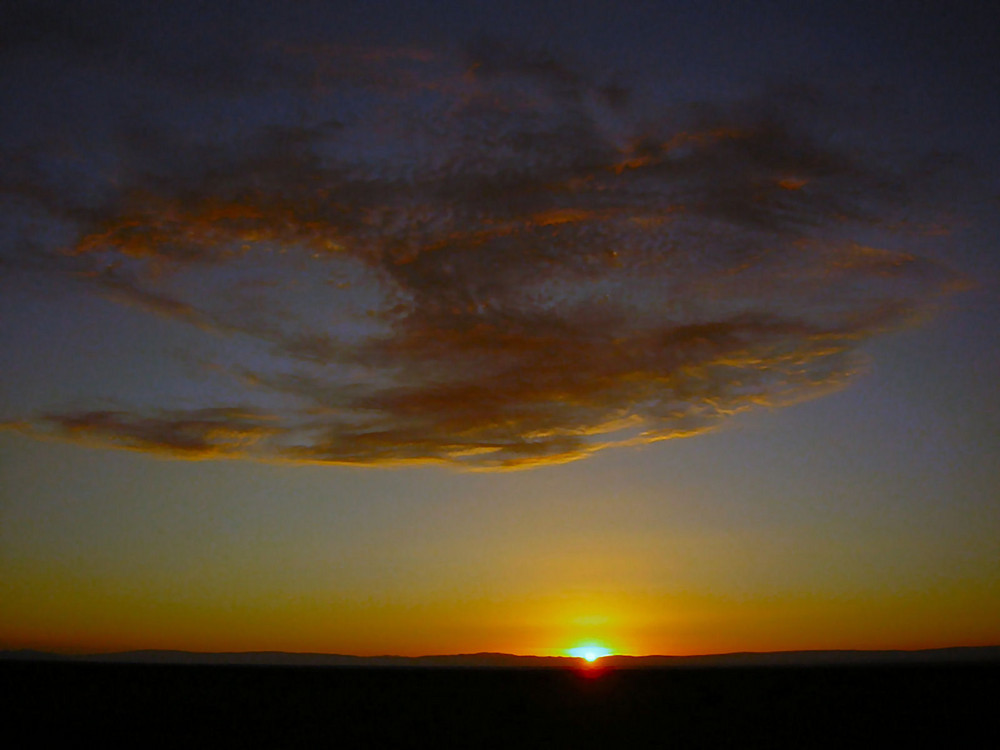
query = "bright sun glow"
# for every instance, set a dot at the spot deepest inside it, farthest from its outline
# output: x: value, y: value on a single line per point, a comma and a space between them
x: 589, y: 652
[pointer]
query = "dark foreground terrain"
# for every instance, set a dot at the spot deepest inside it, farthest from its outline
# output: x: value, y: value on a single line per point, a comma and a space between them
x: 228, y: 706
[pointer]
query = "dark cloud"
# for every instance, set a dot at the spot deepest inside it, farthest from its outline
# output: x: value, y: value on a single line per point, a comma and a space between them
x: 196, y: 434
x: 492, y: 260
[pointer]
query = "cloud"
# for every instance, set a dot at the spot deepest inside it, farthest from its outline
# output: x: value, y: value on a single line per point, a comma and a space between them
x: 491, y: 261
x: 195, y: 434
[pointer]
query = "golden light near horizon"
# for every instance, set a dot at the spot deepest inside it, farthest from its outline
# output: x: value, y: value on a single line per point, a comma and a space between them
x: 591, y: 652
x: 598, y: 621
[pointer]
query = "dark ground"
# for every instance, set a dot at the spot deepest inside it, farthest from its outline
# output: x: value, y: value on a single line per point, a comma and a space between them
x: 220, y: 706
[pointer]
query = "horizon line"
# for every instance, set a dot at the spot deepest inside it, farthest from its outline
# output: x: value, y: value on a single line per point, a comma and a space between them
x: 473, y: 654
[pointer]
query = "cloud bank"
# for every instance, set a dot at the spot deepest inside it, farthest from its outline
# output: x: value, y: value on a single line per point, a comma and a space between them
x: 490, y: 260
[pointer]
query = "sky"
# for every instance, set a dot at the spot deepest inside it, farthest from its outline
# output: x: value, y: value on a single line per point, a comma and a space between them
x: 385, y: 328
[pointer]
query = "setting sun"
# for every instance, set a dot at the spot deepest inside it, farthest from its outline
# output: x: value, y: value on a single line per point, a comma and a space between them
x: 589, y: 652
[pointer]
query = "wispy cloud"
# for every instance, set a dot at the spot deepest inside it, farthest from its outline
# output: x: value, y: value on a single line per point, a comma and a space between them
x: 492, y: 260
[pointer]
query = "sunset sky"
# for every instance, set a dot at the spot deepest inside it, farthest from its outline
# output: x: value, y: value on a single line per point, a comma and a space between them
x: 449, y: 327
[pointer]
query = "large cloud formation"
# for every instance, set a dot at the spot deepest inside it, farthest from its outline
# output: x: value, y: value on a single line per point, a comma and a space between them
x: 490, y: 260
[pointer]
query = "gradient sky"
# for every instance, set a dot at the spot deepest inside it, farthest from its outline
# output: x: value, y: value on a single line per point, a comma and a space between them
x: 373, y: 328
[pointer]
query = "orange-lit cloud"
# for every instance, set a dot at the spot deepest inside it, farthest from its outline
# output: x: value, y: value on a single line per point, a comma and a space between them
x: 518, y: 266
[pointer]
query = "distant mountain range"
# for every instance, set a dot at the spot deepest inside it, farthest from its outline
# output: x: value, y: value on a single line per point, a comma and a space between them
x: 957, y: 655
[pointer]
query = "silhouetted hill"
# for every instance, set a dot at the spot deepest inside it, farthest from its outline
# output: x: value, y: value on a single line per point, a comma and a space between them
x: 955, y: 655
x: 944, y: 698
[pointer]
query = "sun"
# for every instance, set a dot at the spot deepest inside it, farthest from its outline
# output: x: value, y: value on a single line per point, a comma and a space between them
x: 591, y: 652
